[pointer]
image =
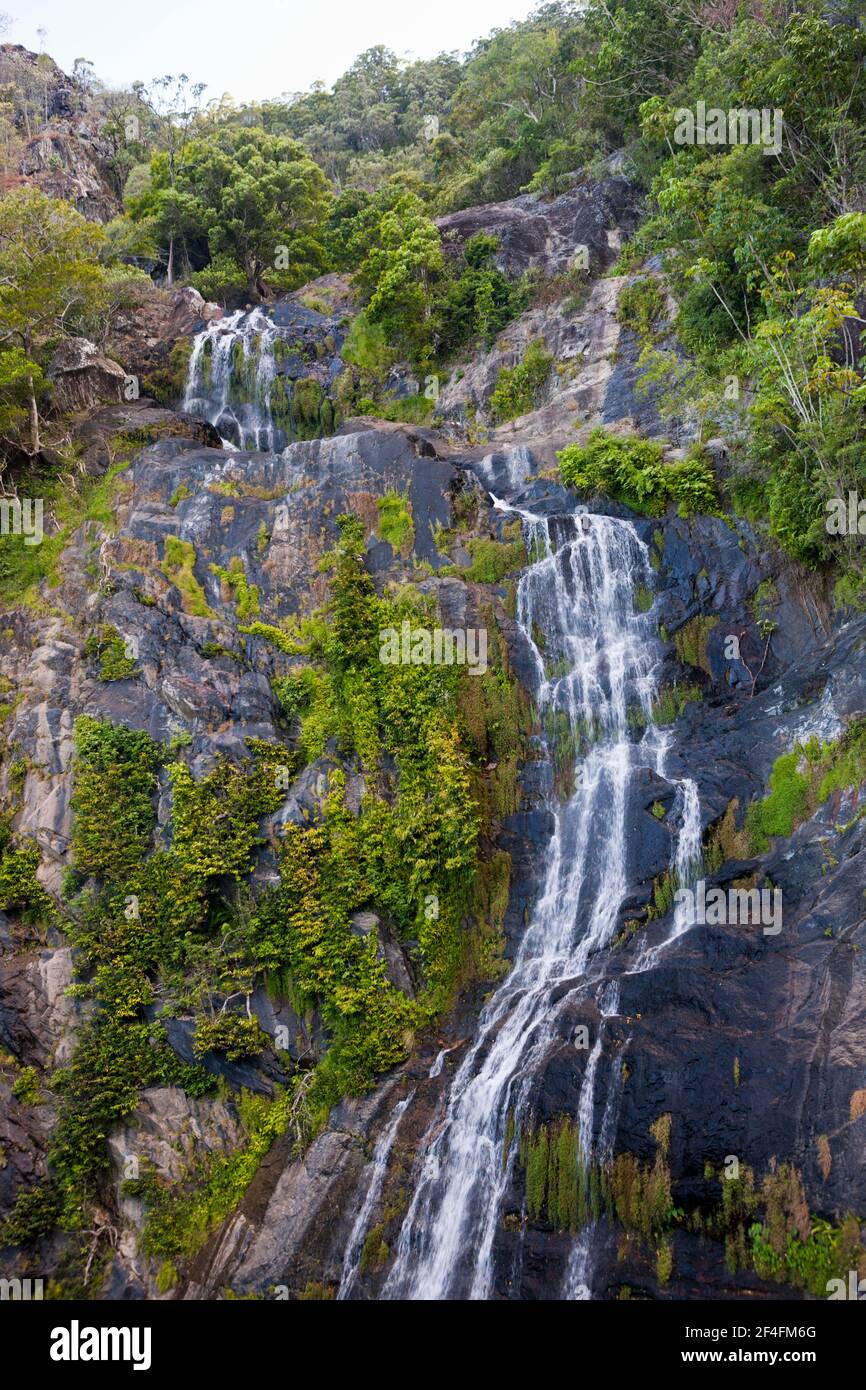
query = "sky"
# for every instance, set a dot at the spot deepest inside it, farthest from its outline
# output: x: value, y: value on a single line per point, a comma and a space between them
x: 249, y: 48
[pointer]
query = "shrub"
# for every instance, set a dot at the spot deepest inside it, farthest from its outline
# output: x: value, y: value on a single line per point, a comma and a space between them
x: 632, y: 470
x: 518, y: 389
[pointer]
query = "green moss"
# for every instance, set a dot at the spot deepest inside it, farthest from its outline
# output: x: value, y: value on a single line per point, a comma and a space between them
x: 182, y: 493
x: 691, y: 641
x: 395, y: 521
x: 666, y: 707
x: 246, y: 595
x: 804, y: 778
x: 167, y: 382
x: 108, y: 646
x: 785, y: 805
x: 375, y: 1252
x: 178, y: 566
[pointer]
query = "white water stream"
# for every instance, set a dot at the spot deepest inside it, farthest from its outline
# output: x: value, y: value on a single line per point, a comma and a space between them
x: 576, y: 601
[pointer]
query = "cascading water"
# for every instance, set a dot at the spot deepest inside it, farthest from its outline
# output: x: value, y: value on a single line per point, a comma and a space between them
x: 247, y: 379
x: 576, y: 599
x: 378, y: 1168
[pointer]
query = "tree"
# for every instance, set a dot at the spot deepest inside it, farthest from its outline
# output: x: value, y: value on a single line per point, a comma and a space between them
x: 175, y: 103
x: 50, y: 275
x: 262, y: 201
x: 399, y: 273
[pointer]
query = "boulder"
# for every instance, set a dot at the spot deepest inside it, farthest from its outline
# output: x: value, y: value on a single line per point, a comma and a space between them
x: 83, y: 378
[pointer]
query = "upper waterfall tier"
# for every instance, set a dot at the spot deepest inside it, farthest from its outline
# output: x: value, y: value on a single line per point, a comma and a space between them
x: 265, y: 377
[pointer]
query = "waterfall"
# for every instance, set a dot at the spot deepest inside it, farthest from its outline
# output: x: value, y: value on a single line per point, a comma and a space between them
x: 595, y: 659
x: 378, y: 1168
x: 248, y: 378
x: 686, y: 866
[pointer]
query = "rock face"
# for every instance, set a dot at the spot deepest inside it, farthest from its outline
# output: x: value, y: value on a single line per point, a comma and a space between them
x: 752, y: 1043
x: 82, y: 378
x: 63, y: 148
x: 544, y: 236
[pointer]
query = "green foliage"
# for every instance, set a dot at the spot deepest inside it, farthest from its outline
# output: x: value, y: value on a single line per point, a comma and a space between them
x: 180, y: 1217
x: 395, y: 521
x: 641, y: 306
x: 231, y: 1033
x: 398, y: 274
x: 410, y: 853
x: 34, y: 1214
x: 26, y: 1088
x: 52, y: 280
x: 113, y: 798
x: 215, y: 820
x: 178, y: 566
x: 476, y: 304
x: 67, y: 506
x: 19, y: 886
x: 492, y: 560
x: 107, y: 645
x: 259, y: 198
x: 632, y: 470
x: 518, y: 389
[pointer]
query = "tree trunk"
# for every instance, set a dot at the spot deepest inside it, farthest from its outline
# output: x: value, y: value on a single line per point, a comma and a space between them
x: 169, y: 274
x: 35, y: 441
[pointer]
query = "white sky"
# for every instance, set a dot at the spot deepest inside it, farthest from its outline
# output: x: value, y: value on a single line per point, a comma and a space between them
x: 250, y: 48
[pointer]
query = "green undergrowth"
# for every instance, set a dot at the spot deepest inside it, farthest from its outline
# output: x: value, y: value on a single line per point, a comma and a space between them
x: 180, y: 1216
x: 519, y: 389
x: 235, y: 584
x: 766, y: 1227
x: 173, y: 930
x: 424, y: 736
x: 65, y: 507
x: 492, y: 560
x: 108, y: 647
x: 803, y: 779
x: 633, y: 471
